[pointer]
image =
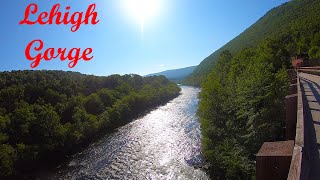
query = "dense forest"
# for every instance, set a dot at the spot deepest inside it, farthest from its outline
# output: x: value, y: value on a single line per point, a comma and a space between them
x: 242, y: 98
x: 45, y: 115
x: 295, y: 22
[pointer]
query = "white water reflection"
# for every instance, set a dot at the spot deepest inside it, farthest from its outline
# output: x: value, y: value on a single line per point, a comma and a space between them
x: 164, y: 144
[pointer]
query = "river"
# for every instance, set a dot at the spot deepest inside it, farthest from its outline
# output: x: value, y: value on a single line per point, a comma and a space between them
x: 164, y: 144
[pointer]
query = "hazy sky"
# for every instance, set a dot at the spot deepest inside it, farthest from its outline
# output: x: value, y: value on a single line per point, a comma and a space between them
x: 176, y: 33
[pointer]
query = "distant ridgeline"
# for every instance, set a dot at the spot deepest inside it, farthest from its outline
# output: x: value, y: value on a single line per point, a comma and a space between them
x: 45, y: 115
x: 175, y: 75
x: 244, y: 85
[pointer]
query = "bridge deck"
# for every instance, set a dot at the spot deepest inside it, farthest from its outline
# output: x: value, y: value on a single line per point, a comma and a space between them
x: 310, y: 87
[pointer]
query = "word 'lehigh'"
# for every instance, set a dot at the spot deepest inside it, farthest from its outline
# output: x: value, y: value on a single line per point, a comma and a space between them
x: 57, y: 17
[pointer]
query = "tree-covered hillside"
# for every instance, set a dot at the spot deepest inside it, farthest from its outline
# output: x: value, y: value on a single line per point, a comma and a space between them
x: 294, y: 22
x: 245, y: 84
x: 45, y: 115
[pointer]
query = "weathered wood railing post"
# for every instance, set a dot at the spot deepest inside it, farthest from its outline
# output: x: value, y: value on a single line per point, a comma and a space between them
x: 274, y: 158
x: 291, y: 116
x: 291, y: 106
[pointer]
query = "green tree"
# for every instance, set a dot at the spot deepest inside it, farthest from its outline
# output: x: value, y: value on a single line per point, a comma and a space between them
x: 107, y: 97
x: 93, y: 104
x: 314, y: 52
x: 44, y: 128
x: 7, y: 159
x: 21, y: 121
x: 51, y: 114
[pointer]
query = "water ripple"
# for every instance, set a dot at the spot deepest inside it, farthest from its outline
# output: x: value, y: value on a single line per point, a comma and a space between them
x: 164, y: 144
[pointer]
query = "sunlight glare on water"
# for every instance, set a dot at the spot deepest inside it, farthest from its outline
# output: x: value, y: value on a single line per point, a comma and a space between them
x: 164, y: 144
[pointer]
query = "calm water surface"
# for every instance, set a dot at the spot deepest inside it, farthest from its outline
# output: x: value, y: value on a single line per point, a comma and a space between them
x: 164, y: 144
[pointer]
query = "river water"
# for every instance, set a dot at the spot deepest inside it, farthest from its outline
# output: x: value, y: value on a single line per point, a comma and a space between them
x: 164, y: 144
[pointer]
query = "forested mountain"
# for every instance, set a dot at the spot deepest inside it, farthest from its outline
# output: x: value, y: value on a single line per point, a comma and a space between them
x: 175, y: 75
x: 244, y: 85
x: 294, y: 23
x: 45, y: 115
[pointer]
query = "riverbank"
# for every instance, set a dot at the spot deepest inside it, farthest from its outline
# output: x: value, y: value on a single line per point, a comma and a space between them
x: 58, y: 159
x: 49, y: 115
x: 165, y: 143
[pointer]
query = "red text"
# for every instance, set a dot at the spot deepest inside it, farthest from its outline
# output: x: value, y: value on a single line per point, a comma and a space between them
x: 55, y: 16
x: 73, y: 55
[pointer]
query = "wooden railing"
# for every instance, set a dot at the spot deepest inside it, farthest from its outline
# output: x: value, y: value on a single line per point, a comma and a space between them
x: 297, y: 171
x: 287, y: 159
x: 315, y: 71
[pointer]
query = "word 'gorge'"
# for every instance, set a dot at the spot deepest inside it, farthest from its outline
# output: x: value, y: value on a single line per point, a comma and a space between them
x: 73, y: 55
x: 57, y: 17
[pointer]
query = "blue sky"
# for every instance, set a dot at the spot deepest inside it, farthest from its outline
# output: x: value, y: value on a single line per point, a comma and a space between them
x: 182, y: 33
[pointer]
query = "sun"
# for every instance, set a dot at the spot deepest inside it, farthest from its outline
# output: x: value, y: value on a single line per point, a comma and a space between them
x: 142, y: 11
